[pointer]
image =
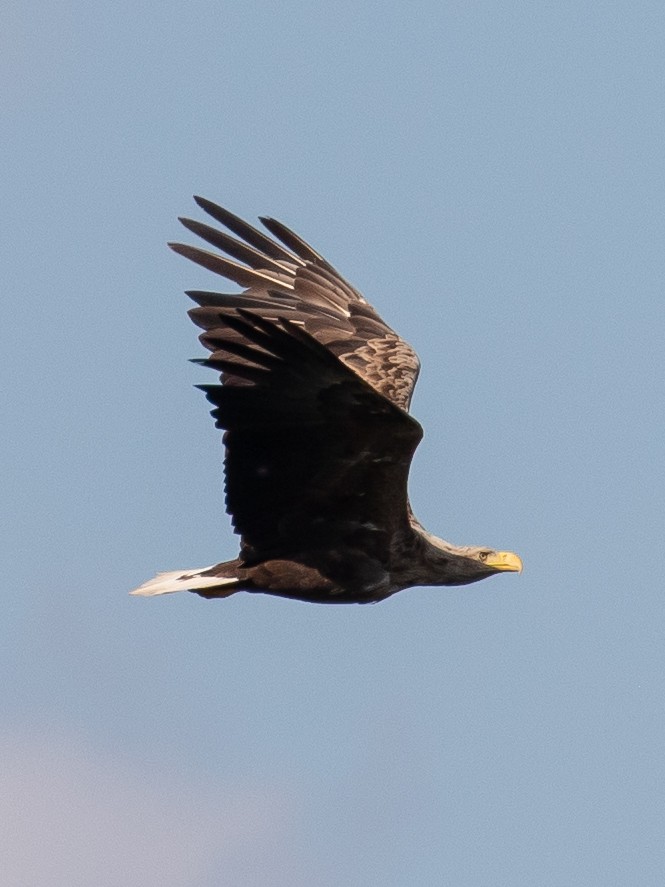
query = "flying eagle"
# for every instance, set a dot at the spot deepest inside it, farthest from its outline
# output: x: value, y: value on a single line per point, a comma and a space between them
x: 314, y: 398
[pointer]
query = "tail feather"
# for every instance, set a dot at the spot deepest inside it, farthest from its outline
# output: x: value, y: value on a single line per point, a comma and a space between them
x: 184, y: 580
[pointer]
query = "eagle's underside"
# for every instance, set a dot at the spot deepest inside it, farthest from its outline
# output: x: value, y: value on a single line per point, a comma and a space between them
x: 293, y: 580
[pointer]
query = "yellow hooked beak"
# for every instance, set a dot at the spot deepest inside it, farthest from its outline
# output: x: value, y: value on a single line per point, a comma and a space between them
x: 506, y: 561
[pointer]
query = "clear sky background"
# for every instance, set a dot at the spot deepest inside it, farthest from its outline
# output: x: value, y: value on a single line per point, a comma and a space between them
x: 491, y: 175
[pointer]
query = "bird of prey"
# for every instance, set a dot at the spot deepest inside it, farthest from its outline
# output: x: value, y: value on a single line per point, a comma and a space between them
x: 314, y: 398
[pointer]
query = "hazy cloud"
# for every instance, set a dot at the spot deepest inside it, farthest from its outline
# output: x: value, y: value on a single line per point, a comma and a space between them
x: 71, y: 815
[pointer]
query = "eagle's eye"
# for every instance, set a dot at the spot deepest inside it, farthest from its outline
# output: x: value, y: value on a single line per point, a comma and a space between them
x: 483, y: 555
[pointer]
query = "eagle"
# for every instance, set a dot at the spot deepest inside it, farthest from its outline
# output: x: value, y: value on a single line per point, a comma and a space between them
x: 313, y: 400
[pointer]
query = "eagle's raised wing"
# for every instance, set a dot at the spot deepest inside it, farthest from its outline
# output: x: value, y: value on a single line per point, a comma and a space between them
x: 313, y: 397
x: 290, y: 279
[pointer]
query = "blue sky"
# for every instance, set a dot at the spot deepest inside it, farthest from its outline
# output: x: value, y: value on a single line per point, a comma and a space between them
x: 491, y: 176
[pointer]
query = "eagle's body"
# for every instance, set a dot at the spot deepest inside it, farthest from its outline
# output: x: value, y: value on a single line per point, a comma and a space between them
x: 313, y: 401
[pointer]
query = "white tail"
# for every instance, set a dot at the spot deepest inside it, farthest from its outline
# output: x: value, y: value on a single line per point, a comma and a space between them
x: 181, y: 580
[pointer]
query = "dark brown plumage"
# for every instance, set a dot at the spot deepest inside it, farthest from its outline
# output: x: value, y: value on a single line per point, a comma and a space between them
x: 313, y: 400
